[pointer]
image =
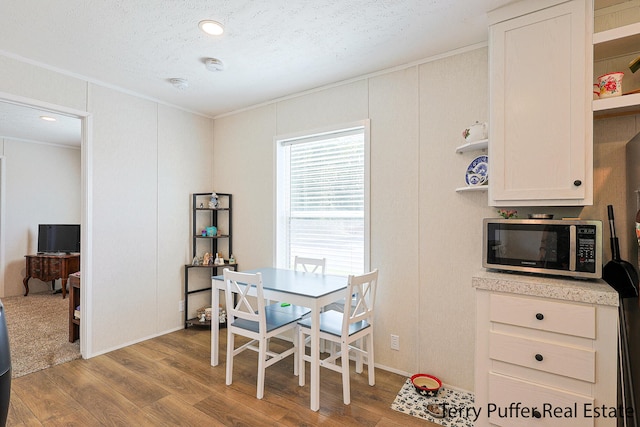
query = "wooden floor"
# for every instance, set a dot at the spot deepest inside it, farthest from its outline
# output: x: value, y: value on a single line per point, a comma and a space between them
x: 168, y: 381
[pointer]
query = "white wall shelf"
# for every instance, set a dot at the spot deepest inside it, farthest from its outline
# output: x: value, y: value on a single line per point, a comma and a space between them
x: 616, y: 42
x: 613, y: 43
x: 471, y: 189
x: 472, y: 146
x: 617, y: 105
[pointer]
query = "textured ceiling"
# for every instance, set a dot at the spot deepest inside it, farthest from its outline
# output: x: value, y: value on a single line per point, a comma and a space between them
x: 24, y: 123
x: 270, y: 48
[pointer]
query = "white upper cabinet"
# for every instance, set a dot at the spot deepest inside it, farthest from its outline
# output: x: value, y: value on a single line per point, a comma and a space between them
x: 541, y: 124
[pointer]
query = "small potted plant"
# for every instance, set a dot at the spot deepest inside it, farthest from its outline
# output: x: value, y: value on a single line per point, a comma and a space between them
x: 508, y: 214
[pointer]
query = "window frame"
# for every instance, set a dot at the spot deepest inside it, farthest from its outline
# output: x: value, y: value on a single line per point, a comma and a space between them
x: 279, y: 176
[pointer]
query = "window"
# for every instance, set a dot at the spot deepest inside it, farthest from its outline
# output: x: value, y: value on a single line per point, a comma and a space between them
x: 322, y: 206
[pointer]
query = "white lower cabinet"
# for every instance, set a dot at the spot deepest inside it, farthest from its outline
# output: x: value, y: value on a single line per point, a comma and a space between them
x: 545, y: 360
x: 539, y: 405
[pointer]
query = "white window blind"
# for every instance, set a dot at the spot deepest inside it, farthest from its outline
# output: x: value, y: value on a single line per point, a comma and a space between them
x: 322, y: 203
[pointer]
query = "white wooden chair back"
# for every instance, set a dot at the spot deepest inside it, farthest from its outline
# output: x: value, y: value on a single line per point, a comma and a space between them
x: 362, y: 293
x: 245, y: 307
x: 351, y: 330
x: 248, y: 317
x: 309, y: 265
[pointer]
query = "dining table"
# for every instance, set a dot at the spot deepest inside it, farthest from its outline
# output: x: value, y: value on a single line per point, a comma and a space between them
x: 310, y: 290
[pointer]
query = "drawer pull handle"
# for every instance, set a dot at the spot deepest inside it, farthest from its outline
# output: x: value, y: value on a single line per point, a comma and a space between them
x: 536, y: 414
x: 539, y: 357
x: 539, y: 316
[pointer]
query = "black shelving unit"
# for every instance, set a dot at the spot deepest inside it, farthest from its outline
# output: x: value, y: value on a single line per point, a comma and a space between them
x: 204, y: 216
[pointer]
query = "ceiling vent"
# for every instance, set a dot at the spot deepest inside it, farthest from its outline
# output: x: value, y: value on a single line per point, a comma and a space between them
x: 213, y: 64
x: 180, y: 84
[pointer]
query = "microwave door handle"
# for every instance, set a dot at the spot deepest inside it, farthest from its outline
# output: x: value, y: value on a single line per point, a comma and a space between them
x: 572, y: 248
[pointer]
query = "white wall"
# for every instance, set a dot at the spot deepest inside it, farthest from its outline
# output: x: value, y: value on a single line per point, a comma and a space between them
x: 42, y: 187
x: 147, y: 158
x: 185, y: 156
x: 144, y: 161
x: 453, y: 94
x: 424, y: 236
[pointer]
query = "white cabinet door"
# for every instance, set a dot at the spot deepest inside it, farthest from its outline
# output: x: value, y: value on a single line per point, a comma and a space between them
x: 541, y: 144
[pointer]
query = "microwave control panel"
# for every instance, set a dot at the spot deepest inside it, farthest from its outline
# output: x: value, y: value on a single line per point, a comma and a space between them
x: 586, y: 248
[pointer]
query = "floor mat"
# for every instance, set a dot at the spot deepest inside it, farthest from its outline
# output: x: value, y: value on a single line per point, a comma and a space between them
x: 38, y: 327
x: 457, y: 407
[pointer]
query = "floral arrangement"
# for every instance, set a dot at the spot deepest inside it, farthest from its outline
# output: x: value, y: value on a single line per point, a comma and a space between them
x: 507, y: 214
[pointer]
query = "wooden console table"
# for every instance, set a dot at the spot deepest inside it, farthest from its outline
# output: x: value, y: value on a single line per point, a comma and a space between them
x: 49, y: 268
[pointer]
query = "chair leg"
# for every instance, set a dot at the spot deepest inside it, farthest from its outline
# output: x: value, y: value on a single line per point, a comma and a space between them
x: 346, y: 389
x: 359, y: 364
x: 230, y: 348
x: 262, y: 361
x: 331, y: 347
x: 323, y: 344
x: 301, y: 355
x: 296, y: 355
x: 370, y: 363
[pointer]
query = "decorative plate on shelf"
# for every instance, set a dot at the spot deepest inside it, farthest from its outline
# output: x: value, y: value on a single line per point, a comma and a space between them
x: 478, y: 171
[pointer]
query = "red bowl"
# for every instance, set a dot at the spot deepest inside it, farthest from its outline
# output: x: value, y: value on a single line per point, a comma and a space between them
x: 426, y: 385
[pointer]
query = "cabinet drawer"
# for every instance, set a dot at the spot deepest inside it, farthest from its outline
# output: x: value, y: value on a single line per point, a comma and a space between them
x: 574, y: 362
x: 35, y: 264
x: 54, y: 269
x: 555, y: 407
x: 560, y: 317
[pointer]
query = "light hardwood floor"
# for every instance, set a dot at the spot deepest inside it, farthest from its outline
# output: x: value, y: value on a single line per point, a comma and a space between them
x: 168, y: 381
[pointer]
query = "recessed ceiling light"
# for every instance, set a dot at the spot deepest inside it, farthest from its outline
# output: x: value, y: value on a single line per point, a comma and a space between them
x: 211, y: 27
x: 213, y: 64
x: 181, y: 84
x: 47, y: 118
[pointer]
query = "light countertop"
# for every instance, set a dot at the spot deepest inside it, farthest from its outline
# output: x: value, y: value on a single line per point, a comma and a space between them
x: 587, y: 291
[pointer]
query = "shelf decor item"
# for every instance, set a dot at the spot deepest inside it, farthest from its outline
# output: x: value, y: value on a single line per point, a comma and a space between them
x: 634, y: 65
x: 213, y: 201
x: 204, y: 313
x: 610, y: 84
x: 478, y: 171
x: 476, y: 132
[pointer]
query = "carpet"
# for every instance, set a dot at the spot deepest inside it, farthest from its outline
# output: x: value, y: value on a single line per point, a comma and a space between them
x: 38, y: 327
x: 455, y: 406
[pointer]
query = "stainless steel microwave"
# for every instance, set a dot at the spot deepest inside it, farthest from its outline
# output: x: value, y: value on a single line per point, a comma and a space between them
x: 544, y: 246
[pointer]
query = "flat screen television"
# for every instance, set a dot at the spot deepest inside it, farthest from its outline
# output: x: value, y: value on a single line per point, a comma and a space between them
x: 56, y: 238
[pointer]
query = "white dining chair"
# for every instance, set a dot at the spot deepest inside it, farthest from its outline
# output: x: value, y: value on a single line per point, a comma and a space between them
x: 352, y: 331
x: 247, y: 317
x: 308, y: 265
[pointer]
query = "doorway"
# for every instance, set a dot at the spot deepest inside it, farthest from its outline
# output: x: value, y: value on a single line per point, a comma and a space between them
x: 17, y: 123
